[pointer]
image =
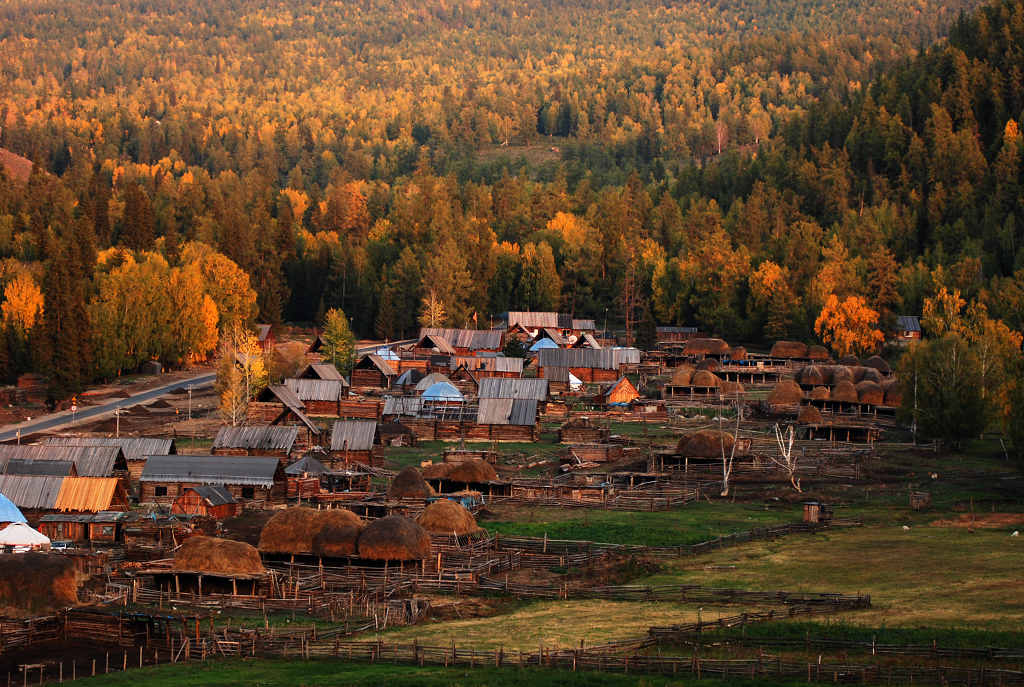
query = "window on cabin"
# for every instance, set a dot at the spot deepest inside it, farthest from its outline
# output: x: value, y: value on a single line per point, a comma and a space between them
x: 108, y: 530
x: 248, y: 492
x: 160, y: 491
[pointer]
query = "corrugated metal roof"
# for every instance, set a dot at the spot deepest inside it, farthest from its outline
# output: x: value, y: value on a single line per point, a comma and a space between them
x: 321, y: 371
x: 908, y: 323
x: 583, y: 325
x: 31, y: 491
x: 316, y: 389
x: 307, y: 464
x: 134, y: 448
x: 354, y: 435
x: 556, y: 374
x: 676, y: 330
x: 214, y: 495
x: 507, y: 411
x: 90, y: 461
x: 497, y: 363
x: 9, y: 512
x: 524, y: 412
x: 543, y: 344
x: 258, y: 438
x: 53, y: 468
x: 501, y: 387
x: 244, y: 470
x: 471, y: 339
x: 532, y: 320
x: 435, y: 341
x: 86, y: 493
x: 402, y: 405
x: 430, y: 380
x: 601, y: 359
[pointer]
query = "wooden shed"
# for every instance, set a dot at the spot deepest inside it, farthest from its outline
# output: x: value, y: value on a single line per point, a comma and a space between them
x: 135, y: 449
x: 263, y: 440
x: 259, y: 478
x: 352, y: 441
x: 208, y: 501
x: 582, y: 430
x: 621, y: 393
x: 372, y: 372
x: 320, y: 397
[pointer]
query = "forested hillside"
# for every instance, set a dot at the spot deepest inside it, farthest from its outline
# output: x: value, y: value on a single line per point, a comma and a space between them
x: 729, y: 165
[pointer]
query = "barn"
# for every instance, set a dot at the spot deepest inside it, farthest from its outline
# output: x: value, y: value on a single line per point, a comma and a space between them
x: 320, y: 397
x: 372, y: 372
x: 265, y: 440
x: 208, y: 500
x: 352, y: 441
x: 259, y: 478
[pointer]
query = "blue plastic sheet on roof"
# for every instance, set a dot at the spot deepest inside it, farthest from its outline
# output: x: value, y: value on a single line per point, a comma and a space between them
x: 9, y: 512
x: 543, y: 343
x: 387, y: 354
x: 442, y: 391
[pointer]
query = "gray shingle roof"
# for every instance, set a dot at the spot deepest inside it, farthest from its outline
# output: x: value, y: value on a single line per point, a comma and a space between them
x: 355, y: 435
x: 306, y: 464
x: 245, y: 470
x: 134, y: 448
x: 501, y: 387
x: 317, y: 389
x: 53, y: 468
x: 602, y: 359
x: 259, y: 438
x: 908, y: 323
x: 90, y: 461
x: 31, y: 491
x: 471, y: 339
x: 214, y: 495
x: 507, y: 411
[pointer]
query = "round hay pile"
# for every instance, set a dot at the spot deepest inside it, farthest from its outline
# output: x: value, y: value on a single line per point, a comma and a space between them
x: 809, y: 415
x: 293, y: 530
x: 868, y: 374
x: 214, y: 556
x: 850, y: 361
x: 893, y: 393
x: 703, y: 378
x: 786, y: 392
x: 709, y: 364
x: 447, y: 517
x: 394, y: 538
x: 682, y: 375
x: 732, y: 387
x: 818, y: 353
x: 706, y: 443
x: 339, y: 534
x: 818, y: 393
x: 878, y: 362
x: 810, y: 375
x: 844, y: 391
x: 738, y: 353
x: 788, y: 349
x: 468, y: 471
x: 870, y: 392
x: 705, y: 347
x: 34, y: 583
x: 409, y: 484
x: 840, y: 374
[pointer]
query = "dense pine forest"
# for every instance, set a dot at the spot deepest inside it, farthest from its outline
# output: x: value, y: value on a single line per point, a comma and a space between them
x: 730, y: 165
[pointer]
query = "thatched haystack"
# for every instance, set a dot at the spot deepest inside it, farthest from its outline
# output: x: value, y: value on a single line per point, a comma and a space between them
x: 705, y: 347
x: 34, y: 583
x: 409, y: 484
x: 786, y: 392
x: 788, y: 349
x: 810, y: 375
x: 338, y: 537
x: 705, y: 443
x: 893, y: 393
x: 703, y: 378
x: 394, y: 538
x: 738, y: 353
x: 869, y: 374
x: 870, y: 392
x: 844, y: 392
x: 682, y: 375
x: 878, y: 362
x: 809, y: 415
x: 468, y: 471
x: 215, y: 556
x: 445, y: 516
x: 850, y: 361
x: 839, y: 374
x: 709, y: 364
x: 818, y: 393
x: 731, y: 387
x: 818, y: 353
x: 293, y: 530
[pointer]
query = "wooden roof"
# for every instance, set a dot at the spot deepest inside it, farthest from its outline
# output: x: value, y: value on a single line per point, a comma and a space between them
x: 353, y: 435
x: 257, y: 438
x: 507, y: 411
x: 471, y: 339
x: 134, y: 448
x: 90, y: 461
x: 239, y: 470
x: 373, y: 360
x: 317, y: 389
x: 321, y: 371
x: 90, y: 494
x: 502, y: 387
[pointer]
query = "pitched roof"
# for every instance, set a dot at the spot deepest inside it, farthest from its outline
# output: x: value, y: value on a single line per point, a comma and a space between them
x: 31, y: 491
x: 543, y: 344
x: 262, y: 332
x: 553, y: 334
x: 437, y: 341
x: 317, y: 389
x: 53, y: 468
x: 214, y: 495
x: 134, y: 448
x: 602, y: 359
x: 321, y: 371
x: 587, y: 341
x: 90, y: 461
x: 245, y: 470
x: 280, y: 392
x: 507, y: 411
x: 86, y: 493
x: 9, y: 512
x: 354, y: 435
x: 409, y: 378
x: 442, y: 391
x: 258, y: 438
x: 501, y: 387
x: 430, y: 380
x: 374, y: 360
x: 493, y: 363
x: 908, y: 323
x: 307, y: 464
x: 403, y: 405
x: 622, y: 382
x: 471, y: 339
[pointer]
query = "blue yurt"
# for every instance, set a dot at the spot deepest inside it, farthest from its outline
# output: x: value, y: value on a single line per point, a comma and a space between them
x: 9, y: 512
x: 443, y: 392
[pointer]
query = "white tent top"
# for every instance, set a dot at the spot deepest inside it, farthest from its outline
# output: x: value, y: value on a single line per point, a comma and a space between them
x: 18, y: 534
x: 575, y: 382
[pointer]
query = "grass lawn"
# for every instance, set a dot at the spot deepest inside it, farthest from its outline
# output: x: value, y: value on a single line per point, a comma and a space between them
x: 434, y: 450
x: 691, y: 524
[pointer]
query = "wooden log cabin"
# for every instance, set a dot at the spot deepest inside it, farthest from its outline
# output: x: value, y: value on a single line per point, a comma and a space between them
x: 249, y: 478
x: 373, y: 372
x: 622, y: 393
x: 490, y: 366
x: 89, y: 461
x: 320, y: 397
x: 506, y: 419
x: 320, y: 371
x: 37, y: 495
x: 353, y: 441
x: 583, y: 430
x: 264, y: 440
x: 516, y: 389
x: 104, y: 527
x: 278, y: 405
x: 463, y: 342
x: 209, y: 501
x: 589, y: 365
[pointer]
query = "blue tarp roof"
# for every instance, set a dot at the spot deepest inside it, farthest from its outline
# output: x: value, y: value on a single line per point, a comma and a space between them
x: 543, y: 343
x: 387, y: 353
x: 9, y: 512
x: 442, y: 391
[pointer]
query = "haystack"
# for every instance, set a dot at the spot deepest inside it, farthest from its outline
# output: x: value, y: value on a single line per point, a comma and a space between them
x: 870, y: 392
x: 703, y: 378
x: 447, y: 517
x: 731, y: 387
x: 893, y: 393
x: 35, y: 583
x: 409, y: 484
x: 214, y: 556
x: 818, y: 353
x: 709, y: 364
x: 878, y: 362
x: 468, y: 471
x: 810, y: 375
x: 394, y: 538
x: 837, y: 374
x: 738, y: 353
x: 809, y: 415
x: 706, y: 443
x: 338, y: 539
x: 786, y: 392
x: 705, y: 347
x: 850, y: 361
x: 818, y: 393
x: 293, y: 530
x: 788, y: 349
x: 870, y: 374
x: 844, y: 392
x: 682, y: 375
